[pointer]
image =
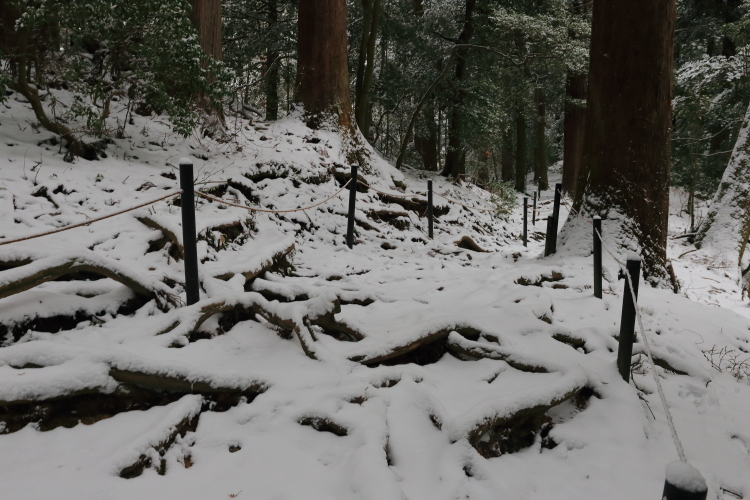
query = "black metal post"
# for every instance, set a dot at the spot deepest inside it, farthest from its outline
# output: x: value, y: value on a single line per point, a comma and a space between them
x: 525, y: 221
x: 533, y: 213
x: 429, y: 208
x: 555, y: 218
x: 352, y: 203
x: 684, y: 482
x: 548, y: 239
x: 597, y: 257
x: 187, y: 205
x: 627, y: 321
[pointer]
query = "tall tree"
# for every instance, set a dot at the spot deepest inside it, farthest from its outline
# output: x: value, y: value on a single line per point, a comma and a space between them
x: 206, y: 17
x: 366, y: 63
x: 540, y: 151
x: 520, y: 150
x: 322, y: 85
x: 454, y: 159
x: 272, y: 63
x: 624, y: 175
x: 575, y: 120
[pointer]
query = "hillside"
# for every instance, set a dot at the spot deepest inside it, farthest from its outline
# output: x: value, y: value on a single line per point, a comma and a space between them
x: 402, y: 368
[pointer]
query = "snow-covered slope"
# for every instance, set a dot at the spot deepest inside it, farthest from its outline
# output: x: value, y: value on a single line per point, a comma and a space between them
x: 402, y: 368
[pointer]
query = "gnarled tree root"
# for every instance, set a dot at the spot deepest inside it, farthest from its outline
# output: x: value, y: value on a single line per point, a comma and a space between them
x: 467, y: 349
x: 512, y: 424
x: 23, y: 278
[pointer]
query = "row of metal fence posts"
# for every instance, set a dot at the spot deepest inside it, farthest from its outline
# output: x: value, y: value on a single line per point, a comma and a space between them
x: 633, y: 267
x: 627, y: 320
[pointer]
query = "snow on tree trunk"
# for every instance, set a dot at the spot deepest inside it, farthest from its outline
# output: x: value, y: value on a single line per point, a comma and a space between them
x: 322, y: 74
x: 624, y: 170
x: 727, y: 226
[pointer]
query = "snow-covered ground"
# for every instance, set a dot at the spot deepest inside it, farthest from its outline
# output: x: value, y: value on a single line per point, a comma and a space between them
x: 330, y: 412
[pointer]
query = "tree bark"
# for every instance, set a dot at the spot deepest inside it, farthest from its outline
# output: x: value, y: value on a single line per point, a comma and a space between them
x: 575, y: 120
x: 322, y: 85
x: 727, y: 226
x: 366, y: 66
x: 626, y: 152
x: 272, y: 63
x: 506, y: 159
x: 426, y: 144
x: 206, y: 18
x: 454, y: 158
x: 540, y: 152
x: 520, y: 151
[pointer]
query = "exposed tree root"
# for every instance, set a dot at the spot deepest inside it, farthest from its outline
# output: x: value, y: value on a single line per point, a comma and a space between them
x: 415, y: 204
x: 467, y: 349
x: 422, y: 351
x: 468, y: 244
x: 399, y: 220
x: 553, y: 276
x: 176, y: 250
x: 572, y: 341
x: 324, y: 424
x: 23, y: 278
x: 280, y: 261
x: 60, y: 322
x: 502, y: 427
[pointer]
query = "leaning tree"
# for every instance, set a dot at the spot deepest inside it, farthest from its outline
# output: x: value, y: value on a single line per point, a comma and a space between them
x: 624, y: 170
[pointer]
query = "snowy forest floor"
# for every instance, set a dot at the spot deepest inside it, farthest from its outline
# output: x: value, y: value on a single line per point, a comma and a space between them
x: 403, y: 368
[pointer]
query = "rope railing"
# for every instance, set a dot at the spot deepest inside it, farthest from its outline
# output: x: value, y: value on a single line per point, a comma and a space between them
x: 91, y: 221
x: 646, y: 343
x: 265, y: 210
x: 219, y: 200
x: 416, y: 195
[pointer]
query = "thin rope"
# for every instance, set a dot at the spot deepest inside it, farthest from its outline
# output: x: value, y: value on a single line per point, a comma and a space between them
x: 407, y: 195
x: 672, y: 429
x: 91, y: 221
x: 252, y: 209
x: 660, y: 390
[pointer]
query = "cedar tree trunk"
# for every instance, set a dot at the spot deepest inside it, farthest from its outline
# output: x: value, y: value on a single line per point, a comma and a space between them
x: 206, y: 17
x: 506, y: 159
x: 366, y: 65
x: 575, y: 119
x: 624, y: 174
x: 272, y: 63
x: 454, y: 158
x: 540, y: 152
x: 520, y: 151
x: 322, y: 85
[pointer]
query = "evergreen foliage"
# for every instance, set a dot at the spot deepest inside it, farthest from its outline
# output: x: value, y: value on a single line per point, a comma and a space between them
x: 142, y: 55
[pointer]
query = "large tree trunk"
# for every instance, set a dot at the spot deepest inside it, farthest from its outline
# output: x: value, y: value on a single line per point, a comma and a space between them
x: 506, y: 160
x: 626, y: 152
x: 575, y: 119
x: 366, y: 66
x: 540, y: 152
x: 454, y: 158
x: 426, y: 140
x: 206, y: 17
x: 520, y: 151
x: 272, y: 63
x: 727, y: 226
x: 322, y: 85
